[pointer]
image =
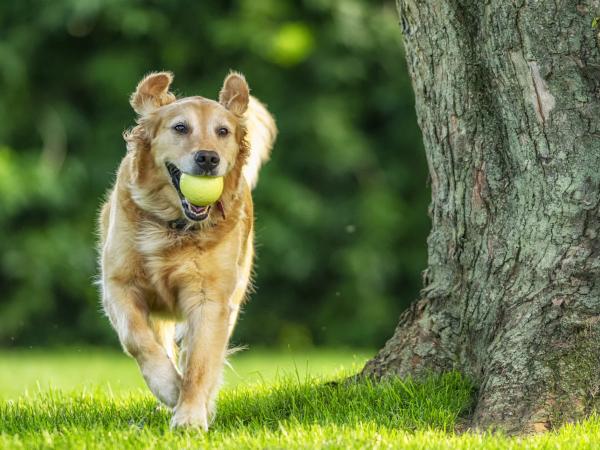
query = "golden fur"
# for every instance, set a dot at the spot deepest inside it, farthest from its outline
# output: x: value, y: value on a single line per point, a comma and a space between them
x: 154, y: 276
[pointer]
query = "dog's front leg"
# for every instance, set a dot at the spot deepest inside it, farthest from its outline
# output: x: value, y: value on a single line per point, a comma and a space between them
x: 205, y: 344
x: 130, y: 319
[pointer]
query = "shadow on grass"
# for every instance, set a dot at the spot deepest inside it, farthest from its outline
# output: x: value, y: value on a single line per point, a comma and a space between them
x: 433, y: 403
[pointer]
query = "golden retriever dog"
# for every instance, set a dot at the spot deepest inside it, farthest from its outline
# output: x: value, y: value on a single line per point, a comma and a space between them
x: 165, y: 262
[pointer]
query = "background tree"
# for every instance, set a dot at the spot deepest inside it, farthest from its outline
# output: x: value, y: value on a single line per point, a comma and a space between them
x: 507, y: 97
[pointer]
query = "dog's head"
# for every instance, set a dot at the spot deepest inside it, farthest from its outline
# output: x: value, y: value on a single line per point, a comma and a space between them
x: 193, y: 135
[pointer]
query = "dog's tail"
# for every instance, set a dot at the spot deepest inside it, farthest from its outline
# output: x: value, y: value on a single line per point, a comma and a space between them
x: 261, y: 136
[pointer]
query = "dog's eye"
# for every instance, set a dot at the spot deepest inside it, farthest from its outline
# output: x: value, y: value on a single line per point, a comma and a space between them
x: 222, y: 131
x: 180, y: 128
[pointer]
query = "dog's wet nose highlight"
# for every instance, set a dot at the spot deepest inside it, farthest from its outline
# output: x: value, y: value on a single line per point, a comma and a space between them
x: 207, y: 159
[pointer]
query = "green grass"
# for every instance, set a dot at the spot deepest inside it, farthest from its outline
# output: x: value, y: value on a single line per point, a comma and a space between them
x: 81, y: 369
x: 95, y: 399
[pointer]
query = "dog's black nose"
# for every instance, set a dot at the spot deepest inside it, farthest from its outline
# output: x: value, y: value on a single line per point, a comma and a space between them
x: 207, y: 159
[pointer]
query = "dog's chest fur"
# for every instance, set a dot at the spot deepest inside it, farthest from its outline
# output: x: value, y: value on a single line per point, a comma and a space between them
x: 208, y: 260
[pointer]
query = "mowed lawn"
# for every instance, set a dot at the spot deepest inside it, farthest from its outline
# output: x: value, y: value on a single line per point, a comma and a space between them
x: 30, y: 371
x: 89, y: 398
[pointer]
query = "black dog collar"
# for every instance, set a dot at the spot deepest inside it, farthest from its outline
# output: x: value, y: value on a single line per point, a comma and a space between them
x: 178, y: 224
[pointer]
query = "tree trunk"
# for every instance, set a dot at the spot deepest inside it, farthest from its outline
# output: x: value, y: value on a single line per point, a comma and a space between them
x: 507, y: 97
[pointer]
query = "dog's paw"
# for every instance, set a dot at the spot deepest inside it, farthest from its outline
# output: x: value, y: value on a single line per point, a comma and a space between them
x: 164, y: 382
x: 169, y: 394
x: 186, y: 416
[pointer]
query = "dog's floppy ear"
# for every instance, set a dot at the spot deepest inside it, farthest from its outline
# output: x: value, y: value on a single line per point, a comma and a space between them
x: 152, y: 92
x: 235, y: 93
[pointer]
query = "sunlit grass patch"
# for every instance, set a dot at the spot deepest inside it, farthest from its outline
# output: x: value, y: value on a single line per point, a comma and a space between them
x: 273, y: 400
x: 29, y: 371
x: 255, y: 416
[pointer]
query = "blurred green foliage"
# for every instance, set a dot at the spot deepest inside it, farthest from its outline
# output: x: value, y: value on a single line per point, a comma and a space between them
x: 341, y: 208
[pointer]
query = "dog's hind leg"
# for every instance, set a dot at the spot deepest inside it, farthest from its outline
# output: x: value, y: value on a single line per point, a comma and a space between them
x: 164, y: 330
x: 130, y: 318
x: 180, y: 334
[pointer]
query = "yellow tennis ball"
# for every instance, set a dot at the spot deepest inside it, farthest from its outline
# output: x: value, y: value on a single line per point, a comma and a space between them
x: 201, y: 191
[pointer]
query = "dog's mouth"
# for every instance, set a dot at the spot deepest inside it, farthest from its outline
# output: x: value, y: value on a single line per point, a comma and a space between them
x: 191, y: 211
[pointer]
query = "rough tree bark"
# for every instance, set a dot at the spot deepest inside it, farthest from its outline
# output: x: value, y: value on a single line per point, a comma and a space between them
x: 507, y: 97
